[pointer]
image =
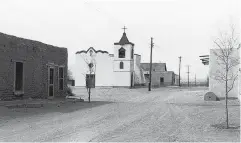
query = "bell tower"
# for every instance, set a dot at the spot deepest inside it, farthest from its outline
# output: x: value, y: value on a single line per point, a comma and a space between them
x: 124, y: 62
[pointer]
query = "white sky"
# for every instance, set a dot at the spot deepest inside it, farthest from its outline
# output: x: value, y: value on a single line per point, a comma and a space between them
x: 179, y: 27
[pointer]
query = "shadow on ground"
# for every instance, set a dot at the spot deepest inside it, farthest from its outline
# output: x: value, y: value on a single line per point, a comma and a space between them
x: 203, y: 104
x: 224, y: 126
x: 74, y: 106
x: 229, y: 98
x: 66, y: 107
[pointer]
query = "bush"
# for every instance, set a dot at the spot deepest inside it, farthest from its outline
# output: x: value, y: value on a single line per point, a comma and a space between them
x: 69, y: 91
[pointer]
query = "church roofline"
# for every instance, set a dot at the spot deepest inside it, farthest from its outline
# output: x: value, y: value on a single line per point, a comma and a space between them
x: 98, y: 51
x: 124, y: 44
x: 124, y: 40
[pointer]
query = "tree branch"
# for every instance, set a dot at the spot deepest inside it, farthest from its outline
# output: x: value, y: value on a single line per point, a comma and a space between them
x: 230, y: 88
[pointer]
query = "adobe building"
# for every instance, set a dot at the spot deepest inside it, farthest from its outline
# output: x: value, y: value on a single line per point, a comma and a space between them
x: 31, y: 69
x: 160, y: 75
x: 216, y: 85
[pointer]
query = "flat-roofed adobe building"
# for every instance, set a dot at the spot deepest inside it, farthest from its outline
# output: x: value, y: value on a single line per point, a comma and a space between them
x: 160, y: 75
x: 216, y: 70
x: 31, y: 69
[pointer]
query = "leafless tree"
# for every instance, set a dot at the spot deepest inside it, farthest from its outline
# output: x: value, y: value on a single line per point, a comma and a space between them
x: 227, y: 44
x: 91, y: 68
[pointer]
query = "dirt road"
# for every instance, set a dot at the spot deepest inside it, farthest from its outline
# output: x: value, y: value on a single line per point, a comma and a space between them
x: 116, y: 116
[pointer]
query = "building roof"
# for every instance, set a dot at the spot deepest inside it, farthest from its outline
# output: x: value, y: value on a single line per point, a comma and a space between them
x: 124, y: 40
x: 205, y: 59
x: 137, y: 54
x: 161, y: 67
x: 98, y: 51
x: 14, y: 41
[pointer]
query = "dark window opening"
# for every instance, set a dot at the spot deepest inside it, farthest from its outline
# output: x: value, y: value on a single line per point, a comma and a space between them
x: 161, y: 79
x: 51, y: 82
x: 51, y: 76
x: 121, y: 65
x: 51, y: 90
x: 122, y: 53
x: 61, y: 78
x: 19, y: 76
x: 146, y: 76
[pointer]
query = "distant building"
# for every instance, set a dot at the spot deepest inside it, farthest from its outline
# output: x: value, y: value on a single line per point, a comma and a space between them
x: 160, y: 75
x: 176, y: 79
x: 31, y: 69
x: 121, y: 69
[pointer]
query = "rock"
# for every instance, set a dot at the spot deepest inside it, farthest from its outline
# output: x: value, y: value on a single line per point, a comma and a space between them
x: 210, y: 96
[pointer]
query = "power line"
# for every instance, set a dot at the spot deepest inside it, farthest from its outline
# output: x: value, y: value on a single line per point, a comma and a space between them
x: 195, y: 80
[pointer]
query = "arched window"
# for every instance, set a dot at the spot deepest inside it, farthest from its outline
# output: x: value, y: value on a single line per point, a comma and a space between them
x: 122, y: 52
x: 121, y: 65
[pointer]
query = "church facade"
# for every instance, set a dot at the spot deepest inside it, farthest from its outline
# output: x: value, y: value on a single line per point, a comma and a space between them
x: 121, y: 69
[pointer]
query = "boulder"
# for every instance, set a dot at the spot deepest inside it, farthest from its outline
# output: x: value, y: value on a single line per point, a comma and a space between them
x: 210, y: 96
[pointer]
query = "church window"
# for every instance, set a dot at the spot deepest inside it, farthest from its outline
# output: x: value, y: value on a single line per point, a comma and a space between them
x: 121, y: 65
x: 122, y: 52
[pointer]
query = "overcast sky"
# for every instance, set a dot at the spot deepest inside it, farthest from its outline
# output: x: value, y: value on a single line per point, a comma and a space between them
x: 179, y: 27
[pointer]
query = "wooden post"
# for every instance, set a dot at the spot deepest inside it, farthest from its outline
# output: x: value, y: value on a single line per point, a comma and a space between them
x: 150, y: 65
x: 180, y: 58
x: 188, y: 75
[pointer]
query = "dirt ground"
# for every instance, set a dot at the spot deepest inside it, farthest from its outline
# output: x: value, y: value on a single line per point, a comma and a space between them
x: 116, y: 115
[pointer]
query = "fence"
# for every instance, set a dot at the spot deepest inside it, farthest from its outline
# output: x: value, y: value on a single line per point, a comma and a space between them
x: 193, y: 84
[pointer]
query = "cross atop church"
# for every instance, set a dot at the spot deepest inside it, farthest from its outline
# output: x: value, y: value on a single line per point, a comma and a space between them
x: 124, y: 29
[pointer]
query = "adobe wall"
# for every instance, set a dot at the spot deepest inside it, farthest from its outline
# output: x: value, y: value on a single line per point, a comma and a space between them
x: 35, y: 57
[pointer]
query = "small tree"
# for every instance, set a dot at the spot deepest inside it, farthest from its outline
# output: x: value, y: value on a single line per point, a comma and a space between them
x: 69, y: 75
x: 91, y: 68
x: 227, y: 44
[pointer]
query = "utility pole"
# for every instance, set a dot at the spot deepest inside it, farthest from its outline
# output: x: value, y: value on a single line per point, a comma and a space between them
x: 188, y: 75
x: 150, y: 65
x: 195, y: 80
x: 179, y: 80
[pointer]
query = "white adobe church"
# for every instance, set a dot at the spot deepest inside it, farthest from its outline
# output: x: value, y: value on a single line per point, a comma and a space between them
x: 121, y: 69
